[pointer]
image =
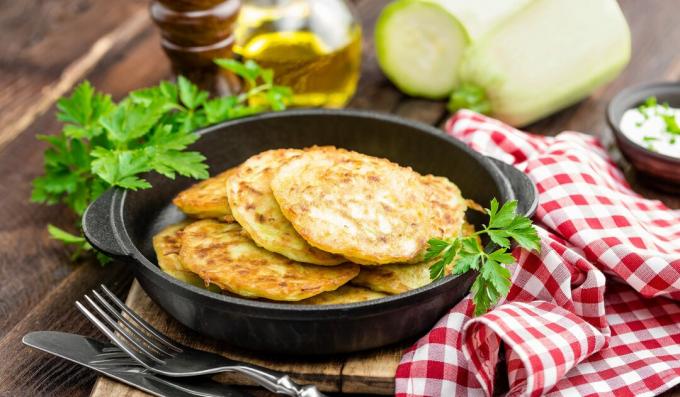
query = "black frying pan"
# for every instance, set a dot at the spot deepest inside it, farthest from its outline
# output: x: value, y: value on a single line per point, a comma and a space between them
x: 121, y: 224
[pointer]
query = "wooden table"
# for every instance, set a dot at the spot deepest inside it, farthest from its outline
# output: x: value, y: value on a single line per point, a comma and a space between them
x: 48, y: 46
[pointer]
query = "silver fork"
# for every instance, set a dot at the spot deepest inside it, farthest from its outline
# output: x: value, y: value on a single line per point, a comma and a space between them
x: 146, y: 345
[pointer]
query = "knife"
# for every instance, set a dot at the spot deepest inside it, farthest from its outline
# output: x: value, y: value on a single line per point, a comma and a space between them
x: 83, y: 350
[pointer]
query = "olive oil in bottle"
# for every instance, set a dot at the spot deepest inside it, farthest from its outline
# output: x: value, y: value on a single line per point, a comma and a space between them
x: 313, y: 46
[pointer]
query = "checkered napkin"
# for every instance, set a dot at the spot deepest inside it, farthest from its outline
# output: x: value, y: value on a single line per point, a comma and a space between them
x: 597, y: 312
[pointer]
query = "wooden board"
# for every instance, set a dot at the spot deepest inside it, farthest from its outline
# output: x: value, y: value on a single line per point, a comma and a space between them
x: 370, y: 372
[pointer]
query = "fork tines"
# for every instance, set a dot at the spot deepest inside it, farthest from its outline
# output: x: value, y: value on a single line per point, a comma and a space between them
x: 133, y: 335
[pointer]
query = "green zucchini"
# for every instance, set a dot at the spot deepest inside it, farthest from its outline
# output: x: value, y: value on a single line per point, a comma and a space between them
x: 419, y: 43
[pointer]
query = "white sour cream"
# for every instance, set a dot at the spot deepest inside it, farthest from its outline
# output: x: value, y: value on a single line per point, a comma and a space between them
x: 647, y: 128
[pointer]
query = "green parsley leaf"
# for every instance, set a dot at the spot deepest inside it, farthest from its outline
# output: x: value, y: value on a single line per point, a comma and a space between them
x: 120, y: 167
x: 437, y: 270
x: 467, y: 262
x: 501, y: 255
x: 62, y: 235
x: 502, y: 217
x: 192, y: 97
x: 191, y: 164
x: 104, y: 144
x: 278, y: 97
x: 497, y: 275
x: 165, y: 138
x: 81, y: 245
x: 262, y: 90
x: 165, y: 94
x: 130, y: 120
x: 483, y: 295
x: 500, y: 237
x: 249, y: 71
x: 84, y: 107
x: 523, y: 232
x: 493, y: 280
x: 220, y: 108
x: 448, y: 252
x: 435, y: 247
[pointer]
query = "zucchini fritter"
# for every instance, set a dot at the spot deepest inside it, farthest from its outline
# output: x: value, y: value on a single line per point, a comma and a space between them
x: 401, y: 277
x: 367, y: 209
x: 254, y: 207
x: 447, y: 209
x: 344, y: 294
x: 208, y: 198
x: 447, y: 206
x: 222, y: 254
x: 167, y: 244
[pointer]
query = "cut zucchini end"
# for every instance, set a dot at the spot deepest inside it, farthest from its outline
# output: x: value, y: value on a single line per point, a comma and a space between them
x: 469, y: 96
x: 419, y: 46
x: 527, y: 76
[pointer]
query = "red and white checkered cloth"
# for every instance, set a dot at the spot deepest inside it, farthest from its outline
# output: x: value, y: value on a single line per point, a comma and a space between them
x: 595, y: 313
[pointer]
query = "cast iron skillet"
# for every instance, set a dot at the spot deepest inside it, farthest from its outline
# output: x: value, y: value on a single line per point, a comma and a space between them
x: 121, y: 224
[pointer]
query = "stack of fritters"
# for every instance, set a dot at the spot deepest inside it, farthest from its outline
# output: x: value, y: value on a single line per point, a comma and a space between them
x: 302, y: 225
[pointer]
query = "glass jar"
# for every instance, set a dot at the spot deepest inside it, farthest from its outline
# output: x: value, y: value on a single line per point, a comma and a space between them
x: 313, y: 46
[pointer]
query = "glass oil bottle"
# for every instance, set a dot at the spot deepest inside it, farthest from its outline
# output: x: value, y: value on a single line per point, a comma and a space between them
x: 313, y: 46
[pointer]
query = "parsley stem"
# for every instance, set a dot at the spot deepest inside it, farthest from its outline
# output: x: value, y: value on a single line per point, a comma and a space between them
x: 243, y: 98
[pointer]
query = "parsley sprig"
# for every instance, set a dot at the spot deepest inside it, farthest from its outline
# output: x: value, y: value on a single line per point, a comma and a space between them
x: 104, y: 144
x: 493, y: 280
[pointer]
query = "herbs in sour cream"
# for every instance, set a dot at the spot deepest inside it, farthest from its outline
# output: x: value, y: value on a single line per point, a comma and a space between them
x: 653, y: 126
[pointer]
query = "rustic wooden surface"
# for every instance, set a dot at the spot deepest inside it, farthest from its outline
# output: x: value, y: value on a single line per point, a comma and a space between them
x: 48, y: 46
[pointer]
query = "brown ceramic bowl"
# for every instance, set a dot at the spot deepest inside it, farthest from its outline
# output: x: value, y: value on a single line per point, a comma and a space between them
x: 659, y: 170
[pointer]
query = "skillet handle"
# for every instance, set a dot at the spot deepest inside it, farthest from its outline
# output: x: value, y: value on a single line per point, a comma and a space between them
x: 523, y: 187
x: 98, y: 226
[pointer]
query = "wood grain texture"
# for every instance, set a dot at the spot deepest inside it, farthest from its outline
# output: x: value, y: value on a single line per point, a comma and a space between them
x: 61, y: 41
x: 41, y: 39
x: 31, y: 372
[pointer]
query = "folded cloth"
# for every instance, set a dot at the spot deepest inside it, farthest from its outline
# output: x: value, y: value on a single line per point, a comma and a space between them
x: 596, y: 312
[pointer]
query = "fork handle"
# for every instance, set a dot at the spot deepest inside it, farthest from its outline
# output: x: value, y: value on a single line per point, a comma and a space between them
x: 274, y: 381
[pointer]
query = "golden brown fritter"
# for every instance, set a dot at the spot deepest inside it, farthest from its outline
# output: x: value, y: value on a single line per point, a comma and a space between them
x: 447, y: 209
x: 447, y: 206
x: 254, y: 207
x: 344, y: 294
x: 208, y: 198
x: 399, y: 278
x: 167, y: 244
x: 367, y: 209
x: 222, y: 254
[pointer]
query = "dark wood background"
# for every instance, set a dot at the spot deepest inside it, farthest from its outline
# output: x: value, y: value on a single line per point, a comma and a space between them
x: 48, y: 46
